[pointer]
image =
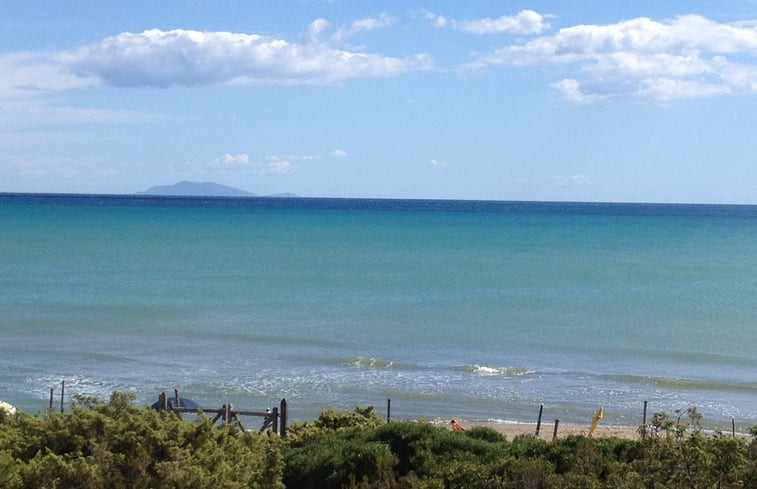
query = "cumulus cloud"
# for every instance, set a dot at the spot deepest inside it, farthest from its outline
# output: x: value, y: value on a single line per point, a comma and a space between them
x: 339, y: 153
x: 435, y: 162
x: 186, y: 57
x: 525, y: 22
x: 689, y: 56
x: 229, y: 162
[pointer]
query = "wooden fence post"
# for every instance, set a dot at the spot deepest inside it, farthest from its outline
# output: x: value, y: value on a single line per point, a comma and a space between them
x: 554, y: 433
x: 162, y: 402
x: 177, y: 399
x: 62, y: 393
x: 275, y: 419
x: 538, y: 421
x: 283, y: 414
x: 644, y: 422
x: 388, y: 410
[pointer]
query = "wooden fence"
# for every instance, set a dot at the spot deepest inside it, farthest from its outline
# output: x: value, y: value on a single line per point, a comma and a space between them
x: 274, y: 419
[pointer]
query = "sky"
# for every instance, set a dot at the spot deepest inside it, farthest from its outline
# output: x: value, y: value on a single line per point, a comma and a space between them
x: 563, y: 100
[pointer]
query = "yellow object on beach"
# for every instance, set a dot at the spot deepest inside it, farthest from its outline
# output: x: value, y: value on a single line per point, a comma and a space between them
x: 595, y: 420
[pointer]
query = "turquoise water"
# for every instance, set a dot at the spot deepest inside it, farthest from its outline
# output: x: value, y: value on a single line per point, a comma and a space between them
x: 479, y: 311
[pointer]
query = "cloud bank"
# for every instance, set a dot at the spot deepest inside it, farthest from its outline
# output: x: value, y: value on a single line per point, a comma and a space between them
x: 640, y: 59
x: 689, y: 56
x: 185, y: 57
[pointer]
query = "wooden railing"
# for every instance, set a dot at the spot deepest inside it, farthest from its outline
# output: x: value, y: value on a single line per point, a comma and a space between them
x: 274, y: 419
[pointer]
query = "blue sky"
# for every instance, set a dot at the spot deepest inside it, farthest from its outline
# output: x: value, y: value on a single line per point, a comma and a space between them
x: 640, y: 101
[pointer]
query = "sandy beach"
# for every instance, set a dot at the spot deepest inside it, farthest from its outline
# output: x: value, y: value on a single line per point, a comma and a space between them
x: 511, y: 430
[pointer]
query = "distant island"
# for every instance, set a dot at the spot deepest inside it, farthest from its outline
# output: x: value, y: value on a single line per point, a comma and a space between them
x: 202, y: 189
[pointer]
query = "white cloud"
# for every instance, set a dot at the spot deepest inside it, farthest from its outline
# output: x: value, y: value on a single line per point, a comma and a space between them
x: 29, y: 88
x: 27, y: 74
x: 184, y: 57
x: 314, y: 30
x: 741, y: 78
x: 435, y: 19
x: 435, y: 162
x: 270, y: 165
x: 339, y: 153
x: 572, y: 91
x: 363, y: 25
x: 689, y: 56
x: 274, y: 165
x: 525, y: 22
x: 229, y: 162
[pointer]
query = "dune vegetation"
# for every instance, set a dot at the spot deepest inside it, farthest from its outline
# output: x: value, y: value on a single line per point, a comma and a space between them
x: 115, y: 444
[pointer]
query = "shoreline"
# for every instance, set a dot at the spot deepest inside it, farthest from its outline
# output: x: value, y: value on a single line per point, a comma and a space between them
x: 546, y: 432
x: 515, y: 429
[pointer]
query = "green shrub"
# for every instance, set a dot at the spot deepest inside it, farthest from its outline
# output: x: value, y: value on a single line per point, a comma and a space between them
x: 301, y: 433
x: 410, y: 454
x: 338, y: 460
x: 116, y: 445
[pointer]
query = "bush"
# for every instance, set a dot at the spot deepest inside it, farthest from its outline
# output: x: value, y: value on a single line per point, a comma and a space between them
x: 301, y: 433
x: 116, y: 445
x: 410, y: 455
x: 398, y: 454
x: 337, y: 461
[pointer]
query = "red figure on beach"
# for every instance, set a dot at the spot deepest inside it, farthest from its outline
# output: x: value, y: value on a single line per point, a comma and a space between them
x: 456, y: 426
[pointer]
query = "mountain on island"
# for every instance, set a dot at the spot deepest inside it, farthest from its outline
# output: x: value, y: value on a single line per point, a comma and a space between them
x: 199, y: 189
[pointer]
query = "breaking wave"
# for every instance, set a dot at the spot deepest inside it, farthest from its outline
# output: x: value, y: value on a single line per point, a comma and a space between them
x: 495, y: 371
x: 367, y: 362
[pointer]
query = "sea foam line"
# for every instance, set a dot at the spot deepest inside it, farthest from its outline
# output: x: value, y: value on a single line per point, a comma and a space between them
x: 495, y: 371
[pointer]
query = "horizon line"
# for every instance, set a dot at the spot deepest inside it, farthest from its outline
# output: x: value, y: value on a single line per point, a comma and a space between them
x: 292, y: 196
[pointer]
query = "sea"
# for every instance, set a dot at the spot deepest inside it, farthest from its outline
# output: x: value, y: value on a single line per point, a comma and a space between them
x: 481, y: 311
